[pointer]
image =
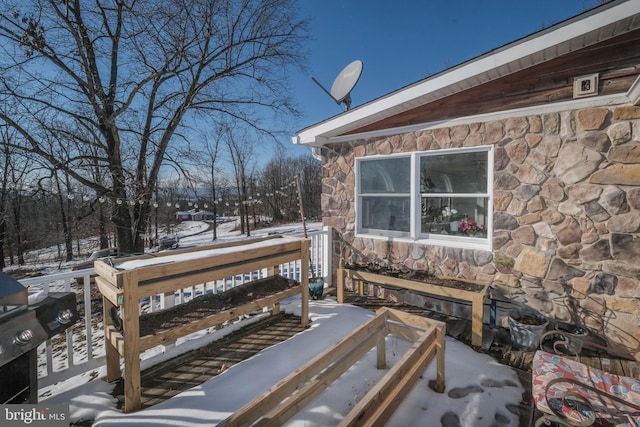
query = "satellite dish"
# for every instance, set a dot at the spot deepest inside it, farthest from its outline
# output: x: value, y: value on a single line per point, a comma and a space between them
x: 344, y: 83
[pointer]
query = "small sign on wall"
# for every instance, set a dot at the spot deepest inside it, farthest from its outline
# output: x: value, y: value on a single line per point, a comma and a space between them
x: 585, y: 86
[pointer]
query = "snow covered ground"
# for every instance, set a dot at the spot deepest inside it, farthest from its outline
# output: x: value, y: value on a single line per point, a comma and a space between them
x: 479, y: 391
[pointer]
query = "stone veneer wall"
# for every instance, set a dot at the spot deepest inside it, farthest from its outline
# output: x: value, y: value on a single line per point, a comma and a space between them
x: 566, y: 237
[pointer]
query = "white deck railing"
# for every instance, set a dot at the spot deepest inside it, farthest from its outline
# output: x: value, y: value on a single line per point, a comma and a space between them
x: 81, y: 348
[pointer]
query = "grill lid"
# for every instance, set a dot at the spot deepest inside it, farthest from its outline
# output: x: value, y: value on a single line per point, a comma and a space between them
x: 12, y: 292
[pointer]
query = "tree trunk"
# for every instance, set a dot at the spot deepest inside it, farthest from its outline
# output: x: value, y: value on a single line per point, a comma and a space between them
x: 130, y: 222
x: 3, y: 233
x: 66, y: 235
x: 102, y: 226
x: 18, y: 229
x: 214, y: 203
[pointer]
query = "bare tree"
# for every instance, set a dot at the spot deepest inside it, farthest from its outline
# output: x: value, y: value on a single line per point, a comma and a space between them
x: 14, y: 191
x: 277, y: 181
x: 275, y: 176
x: 310, y: 171
x: 241, y: 152
x: 129, y: 78
x: 5, y: 164
x: 206, y: 160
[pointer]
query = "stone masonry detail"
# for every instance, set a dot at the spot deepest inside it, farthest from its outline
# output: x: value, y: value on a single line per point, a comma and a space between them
x: 566, y: 220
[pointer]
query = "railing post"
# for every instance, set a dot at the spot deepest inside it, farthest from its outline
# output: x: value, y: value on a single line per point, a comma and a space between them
x: 86, y: 286
x: 327, y: 255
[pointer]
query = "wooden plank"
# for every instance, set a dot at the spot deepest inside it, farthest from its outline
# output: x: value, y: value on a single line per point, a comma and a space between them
x: 477, y: 314
x: 275, y: 308
x: 340, y: 286
x: 112, y: 346
x: 109, y: 273
x: 109, y: 291
x: 613, y: 366
x: 220, y: 272
x: 446, y: 291
x: 131, y: 333
x: 419, y: 322
x: 392, y: 399
x: 284, y: 388
x: 228, y: 244
x: 631, y: 368
x: 116, y: 339
x: 403, y: 331
x: 173, y: 268
x: 396, y: 383
x: 594, y: 361
x: 170, y: 335
x: 240, y: 255
x: 288, y: 408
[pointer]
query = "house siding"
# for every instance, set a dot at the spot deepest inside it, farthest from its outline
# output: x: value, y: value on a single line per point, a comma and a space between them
x: 566, y: 220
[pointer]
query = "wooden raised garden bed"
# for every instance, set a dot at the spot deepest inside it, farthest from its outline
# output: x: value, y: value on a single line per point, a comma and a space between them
x: 466, y: 290
x: 282, y: 401
x: 126, y: 282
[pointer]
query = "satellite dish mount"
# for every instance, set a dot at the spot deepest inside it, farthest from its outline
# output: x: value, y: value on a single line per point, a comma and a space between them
x: 344, y: 84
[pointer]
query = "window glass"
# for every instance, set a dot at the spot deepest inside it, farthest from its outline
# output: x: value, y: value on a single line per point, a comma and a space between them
x: 385, y: 175
x: 454, y: 173
x: 458, y: 216
x: 386, y: 213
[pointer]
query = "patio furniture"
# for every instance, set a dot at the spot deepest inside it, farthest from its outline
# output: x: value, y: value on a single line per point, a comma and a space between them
x: 570, y: 393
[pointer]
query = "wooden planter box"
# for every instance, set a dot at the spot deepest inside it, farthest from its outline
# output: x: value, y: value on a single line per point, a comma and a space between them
x: 475, y: 293
x: 128, y: 280
x: 282, y: 401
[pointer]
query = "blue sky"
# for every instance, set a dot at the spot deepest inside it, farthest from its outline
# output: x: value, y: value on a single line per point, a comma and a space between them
x: 403, y: 41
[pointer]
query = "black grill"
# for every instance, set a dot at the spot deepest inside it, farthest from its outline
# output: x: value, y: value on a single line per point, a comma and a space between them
x: 23, y: 328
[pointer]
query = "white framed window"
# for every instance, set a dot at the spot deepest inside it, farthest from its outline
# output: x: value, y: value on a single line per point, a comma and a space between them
x: 441, y: 197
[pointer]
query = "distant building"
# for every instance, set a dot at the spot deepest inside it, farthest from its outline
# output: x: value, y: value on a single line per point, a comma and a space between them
x: 194, y: 215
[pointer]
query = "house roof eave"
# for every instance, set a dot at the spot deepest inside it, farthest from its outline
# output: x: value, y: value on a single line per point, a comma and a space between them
x: 575, y: 33
x: 592, y: 102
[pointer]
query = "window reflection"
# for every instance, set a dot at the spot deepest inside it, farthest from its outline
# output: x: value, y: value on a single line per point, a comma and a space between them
x: 386, y: 213
x: 460, y: 216
x: 385, y: 176
x: 454, y: 173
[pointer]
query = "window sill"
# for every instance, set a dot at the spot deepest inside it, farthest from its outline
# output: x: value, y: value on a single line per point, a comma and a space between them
x: 455, y: 242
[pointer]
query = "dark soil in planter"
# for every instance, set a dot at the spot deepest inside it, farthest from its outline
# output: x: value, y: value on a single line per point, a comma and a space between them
x: 209, y: 304
x: 416, y: 275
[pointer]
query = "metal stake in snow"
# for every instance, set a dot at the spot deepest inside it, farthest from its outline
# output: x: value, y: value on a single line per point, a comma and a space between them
x: 304, y: 223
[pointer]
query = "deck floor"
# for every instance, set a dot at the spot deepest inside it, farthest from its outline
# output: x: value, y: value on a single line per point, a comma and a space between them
x: 497, y: 343
x: 165, y: 380
x: 168, y: 379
